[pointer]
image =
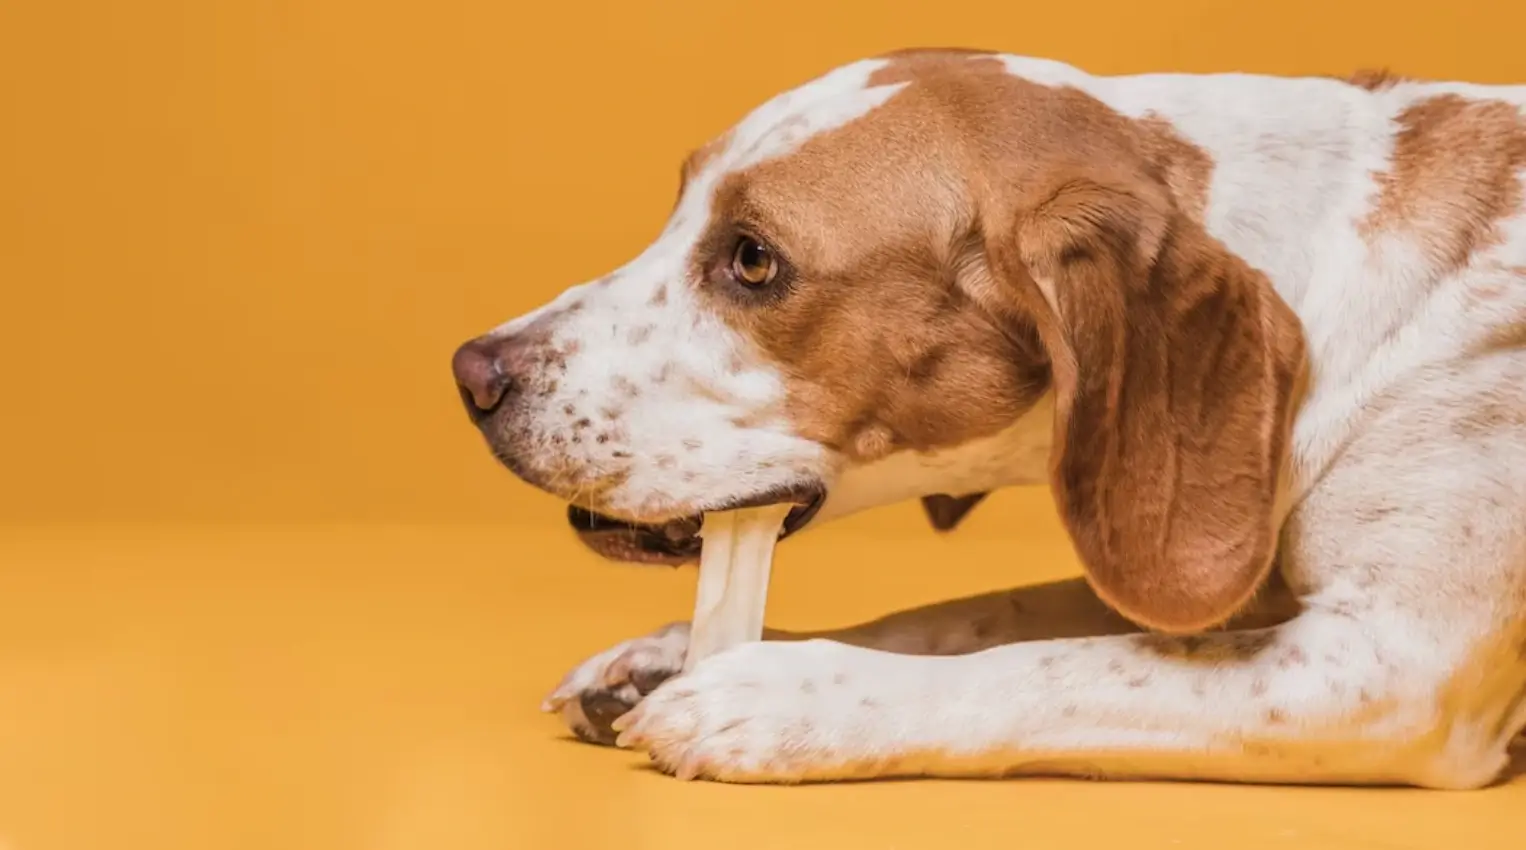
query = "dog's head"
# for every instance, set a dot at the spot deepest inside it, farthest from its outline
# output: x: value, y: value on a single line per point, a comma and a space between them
x: 913, y: 276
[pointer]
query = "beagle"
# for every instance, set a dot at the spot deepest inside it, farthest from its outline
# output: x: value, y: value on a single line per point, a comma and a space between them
x: 1264, y: 339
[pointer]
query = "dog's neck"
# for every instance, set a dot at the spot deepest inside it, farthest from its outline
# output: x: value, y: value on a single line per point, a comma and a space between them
x: 1017, y: 455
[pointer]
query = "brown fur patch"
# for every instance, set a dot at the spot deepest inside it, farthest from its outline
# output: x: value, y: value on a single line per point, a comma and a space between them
x: 1490, y: 417
x: 1374, y: 79
x: 1452, y: 177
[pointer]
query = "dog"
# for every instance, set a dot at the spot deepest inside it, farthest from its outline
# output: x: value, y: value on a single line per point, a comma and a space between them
x: 1264, y: 339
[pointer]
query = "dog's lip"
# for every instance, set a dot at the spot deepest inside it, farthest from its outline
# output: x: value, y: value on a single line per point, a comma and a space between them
x: 677, y: 541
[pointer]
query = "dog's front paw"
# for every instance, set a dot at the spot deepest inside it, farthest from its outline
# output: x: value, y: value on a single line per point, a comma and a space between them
x: 608, y: 685
x: 779, y: 712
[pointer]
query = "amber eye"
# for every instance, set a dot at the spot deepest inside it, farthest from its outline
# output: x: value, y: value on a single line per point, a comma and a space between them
x: 752, y: 263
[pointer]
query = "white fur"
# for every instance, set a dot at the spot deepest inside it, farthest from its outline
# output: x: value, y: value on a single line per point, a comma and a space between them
x: 1406, y: 542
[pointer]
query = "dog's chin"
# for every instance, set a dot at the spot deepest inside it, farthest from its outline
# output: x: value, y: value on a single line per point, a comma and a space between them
x: 677, y: 541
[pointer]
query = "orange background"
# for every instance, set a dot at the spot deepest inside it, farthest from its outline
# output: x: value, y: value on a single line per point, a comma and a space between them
x: 239, y: 239
x: 261, y: 585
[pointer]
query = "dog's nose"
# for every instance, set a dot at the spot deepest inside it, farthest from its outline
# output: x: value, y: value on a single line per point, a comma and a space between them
x: 487, y: 371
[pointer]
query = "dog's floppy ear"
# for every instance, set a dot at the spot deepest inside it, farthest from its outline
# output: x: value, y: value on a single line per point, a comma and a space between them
x: 1176, y: 368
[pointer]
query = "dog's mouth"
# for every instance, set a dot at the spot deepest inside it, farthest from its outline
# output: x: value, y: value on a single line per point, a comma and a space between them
x: 677, y: 541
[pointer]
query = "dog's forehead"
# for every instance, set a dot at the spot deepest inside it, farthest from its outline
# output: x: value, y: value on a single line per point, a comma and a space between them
x: 787, y: 121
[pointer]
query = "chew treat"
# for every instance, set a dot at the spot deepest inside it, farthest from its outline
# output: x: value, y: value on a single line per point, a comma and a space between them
x: 734, y: 564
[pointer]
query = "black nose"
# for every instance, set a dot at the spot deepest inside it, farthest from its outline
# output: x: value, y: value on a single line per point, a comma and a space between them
x: 484, y: 370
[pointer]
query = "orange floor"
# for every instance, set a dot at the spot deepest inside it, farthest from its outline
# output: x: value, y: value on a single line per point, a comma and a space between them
x: 377, y: 687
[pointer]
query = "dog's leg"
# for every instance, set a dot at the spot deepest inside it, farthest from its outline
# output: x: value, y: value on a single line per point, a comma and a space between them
x: 1322, y: 699
x: 609, y: 684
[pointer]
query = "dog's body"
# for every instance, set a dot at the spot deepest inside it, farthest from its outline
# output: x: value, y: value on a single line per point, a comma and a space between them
x: 1234, y: 321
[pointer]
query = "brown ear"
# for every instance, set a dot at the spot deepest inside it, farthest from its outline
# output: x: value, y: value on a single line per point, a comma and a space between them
x: 1176, y: 367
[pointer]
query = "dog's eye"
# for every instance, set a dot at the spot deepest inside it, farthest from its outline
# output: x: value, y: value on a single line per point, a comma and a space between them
x: 752, y: 263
